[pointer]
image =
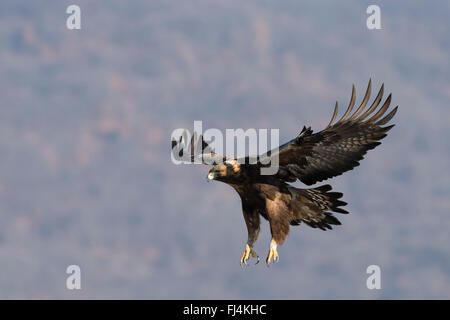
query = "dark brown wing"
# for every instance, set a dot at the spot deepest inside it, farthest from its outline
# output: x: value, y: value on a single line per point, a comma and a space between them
x: 340, y: 146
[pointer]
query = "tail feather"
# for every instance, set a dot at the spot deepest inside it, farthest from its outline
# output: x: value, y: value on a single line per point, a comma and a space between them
x: 314, y: 207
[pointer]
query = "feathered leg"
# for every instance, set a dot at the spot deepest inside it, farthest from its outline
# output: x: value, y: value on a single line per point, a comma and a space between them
x: 279, y: 219
x: 252, y: 221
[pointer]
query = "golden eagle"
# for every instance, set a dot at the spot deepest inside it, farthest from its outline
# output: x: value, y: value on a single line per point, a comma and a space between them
x: 309, y: 157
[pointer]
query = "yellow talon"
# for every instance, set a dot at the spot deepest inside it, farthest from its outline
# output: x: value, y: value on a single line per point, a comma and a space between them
x: 273, y: 254
x: 246, y: 255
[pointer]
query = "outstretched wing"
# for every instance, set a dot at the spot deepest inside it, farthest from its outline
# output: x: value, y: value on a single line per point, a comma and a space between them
x: 340, y: 146
x: 197, y: 151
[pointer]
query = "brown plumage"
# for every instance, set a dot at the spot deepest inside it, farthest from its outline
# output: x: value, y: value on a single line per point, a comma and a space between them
x: 309, y: 157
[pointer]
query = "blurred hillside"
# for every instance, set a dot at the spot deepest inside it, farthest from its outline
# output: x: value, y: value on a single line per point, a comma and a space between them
x: 85, y: 123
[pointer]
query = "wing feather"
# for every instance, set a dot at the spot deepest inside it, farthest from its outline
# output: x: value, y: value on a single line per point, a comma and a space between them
x: 196, y: 151
x: 351, y: 104
x: 364, y: 102
x: 313, y: 157
x: 334, y: 114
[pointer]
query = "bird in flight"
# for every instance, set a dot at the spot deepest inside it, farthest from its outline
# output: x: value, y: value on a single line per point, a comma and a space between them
x: 309, y: 157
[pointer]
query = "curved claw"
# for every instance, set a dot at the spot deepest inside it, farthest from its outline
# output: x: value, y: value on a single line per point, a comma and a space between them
x: 246, y: 255
x: 272, y: 256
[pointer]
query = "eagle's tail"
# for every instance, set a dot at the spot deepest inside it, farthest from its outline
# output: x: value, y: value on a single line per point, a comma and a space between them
x: 313, y: 206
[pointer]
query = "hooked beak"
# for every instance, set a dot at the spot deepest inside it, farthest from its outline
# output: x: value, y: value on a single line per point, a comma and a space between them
x: 210, y: 176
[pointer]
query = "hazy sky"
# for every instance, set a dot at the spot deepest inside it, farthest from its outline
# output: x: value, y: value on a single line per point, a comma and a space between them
x: 86, y: 177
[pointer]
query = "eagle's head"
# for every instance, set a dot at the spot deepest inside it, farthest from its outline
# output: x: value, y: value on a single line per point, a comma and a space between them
x: 228, y: 172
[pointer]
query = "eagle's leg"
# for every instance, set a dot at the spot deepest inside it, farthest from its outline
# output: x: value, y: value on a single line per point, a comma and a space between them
x: 246, y: 255
x: 279, y: 216
x: 273, y: 254
x: 252, y: 221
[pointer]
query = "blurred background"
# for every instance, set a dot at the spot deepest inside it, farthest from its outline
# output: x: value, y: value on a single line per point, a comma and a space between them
x: 85, y: 123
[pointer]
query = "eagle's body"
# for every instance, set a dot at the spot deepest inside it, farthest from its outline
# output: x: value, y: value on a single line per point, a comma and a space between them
x: 309, y: 158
